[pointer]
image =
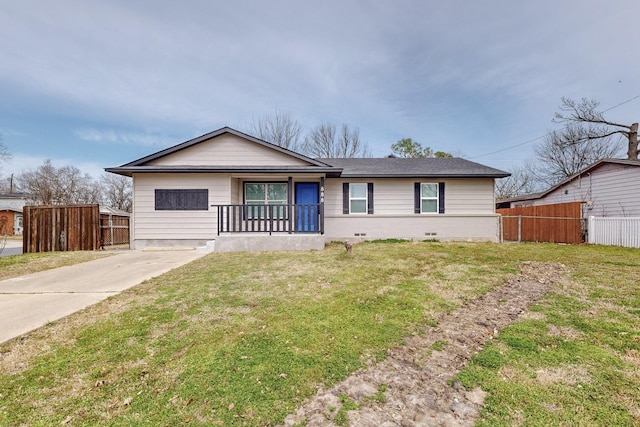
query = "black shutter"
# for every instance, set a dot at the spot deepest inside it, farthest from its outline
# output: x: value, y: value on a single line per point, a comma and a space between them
x: 345, y: 198
x: 416, y: 198
x: 370, y: 198
x: 181, y: 200
x: 441, y: 197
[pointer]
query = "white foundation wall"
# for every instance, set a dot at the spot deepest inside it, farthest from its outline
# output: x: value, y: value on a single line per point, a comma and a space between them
x: 175, y: 228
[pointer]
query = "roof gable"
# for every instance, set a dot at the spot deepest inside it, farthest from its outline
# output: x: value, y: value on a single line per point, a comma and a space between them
x: 225, y: 147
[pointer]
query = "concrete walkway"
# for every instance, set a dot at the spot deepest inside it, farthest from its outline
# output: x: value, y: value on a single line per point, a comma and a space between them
x: 31, y: 301
x: 12, y: 247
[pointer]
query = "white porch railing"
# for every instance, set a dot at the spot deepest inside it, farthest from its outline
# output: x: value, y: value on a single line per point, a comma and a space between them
x: 621, y: 231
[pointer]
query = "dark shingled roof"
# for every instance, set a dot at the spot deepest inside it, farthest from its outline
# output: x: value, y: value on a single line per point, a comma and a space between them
x: 452, y: 167
x: 333, y: 168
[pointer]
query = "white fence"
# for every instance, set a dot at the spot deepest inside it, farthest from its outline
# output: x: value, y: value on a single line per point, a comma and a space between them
x: 623, y: 231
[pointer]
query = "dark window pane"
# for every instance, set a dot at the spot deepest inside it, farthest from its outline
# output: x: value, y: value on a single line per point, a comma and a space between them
x: 182, y: 200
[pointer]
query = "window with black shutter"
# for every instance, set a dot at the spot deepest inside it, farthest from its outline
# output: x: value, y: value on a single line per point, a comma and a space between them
x: 429, y: 197
x: 357, y: 198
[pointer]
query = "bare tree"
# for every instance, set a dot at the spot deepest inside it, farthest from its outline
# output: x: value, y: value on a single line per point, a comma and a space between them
x: 4, y: 156
x: 585, y: 114
x: 67, y: 185
x: 325, y: 141
x: 117, y: 191
x: 522, y: 181
x: 4, y: 151
x: 279, y: 129
x: 566, y: 152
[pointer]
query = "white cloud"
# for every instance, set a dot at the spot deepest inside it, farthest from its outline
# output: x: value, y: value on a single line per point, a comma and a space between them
x: 128, y: 138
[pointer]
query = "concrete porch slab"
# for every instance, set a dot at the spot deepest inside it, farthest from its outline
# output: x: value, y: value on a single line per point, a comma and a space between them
x: 267, y: 243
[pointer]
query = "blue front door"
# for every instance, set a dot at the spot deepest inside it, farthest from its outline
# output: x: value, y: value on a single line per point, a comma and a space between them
x: 307, y: 210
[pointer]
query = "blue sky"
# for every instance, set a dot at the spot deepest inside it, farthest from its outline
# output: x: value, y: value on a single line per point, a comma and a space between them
x: 97, y: 83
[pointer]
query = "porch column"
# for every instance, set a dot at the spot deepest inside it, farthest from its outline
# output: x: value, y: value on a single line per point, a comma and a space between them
x: 321, y: 205
x: 290, y: 208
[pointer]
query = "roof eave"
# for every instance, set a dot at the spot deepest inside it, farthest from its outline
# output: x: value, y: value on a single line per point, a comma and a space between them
x: 130, y: 170
x: 439, y: 176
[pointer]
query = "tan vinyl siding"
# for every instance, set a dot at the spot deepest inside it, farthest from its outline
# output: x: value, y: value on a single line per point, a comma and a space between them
x: 228, y: 150
x: 469, y: 196
x: 150, y: 224
x: 236, y: 194
x: 396, y: 196
x: 469, y: 212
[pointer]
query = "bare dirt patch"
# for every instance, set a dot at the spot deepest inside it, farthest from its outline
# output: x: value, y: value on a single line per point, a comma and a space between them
x: 411, y: 386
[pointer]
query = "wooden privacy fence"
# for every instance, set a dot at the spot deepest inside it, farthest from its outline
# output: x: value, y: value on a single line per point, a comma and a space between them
x: 61, y: 228
x: 114, y: 230
x: 558, y: 223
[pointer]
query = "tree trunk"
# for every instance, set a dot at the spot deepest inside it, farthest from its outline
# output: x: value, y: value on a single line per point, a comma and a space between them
x: 632, y: 154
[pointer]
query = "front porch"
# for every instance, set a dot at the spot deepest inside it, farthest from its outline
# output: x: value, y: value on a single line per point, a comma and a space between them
x: 286, y: 219
x: 269, y: 227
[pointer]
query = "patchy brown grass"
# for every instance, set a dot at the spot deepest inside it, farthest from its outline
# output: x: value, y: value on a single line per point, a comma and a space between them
x: 566, y: 374
x: 20, y: 265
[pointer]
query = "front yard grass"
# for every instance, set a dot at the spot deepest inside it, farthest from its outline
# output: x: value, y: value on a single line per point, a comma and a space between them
x: 575, y: 357
x: 19, y: 265
x: 243, y: 339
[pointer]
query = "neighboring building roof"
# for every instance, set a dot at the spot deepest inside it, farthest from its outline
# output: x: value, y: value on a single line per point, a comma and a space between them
x: 449, y: 167
x: 588, y: 169
x: 529, y: 196
x: 14, y: 196
x: 9, y: 208
x: 105, y: 210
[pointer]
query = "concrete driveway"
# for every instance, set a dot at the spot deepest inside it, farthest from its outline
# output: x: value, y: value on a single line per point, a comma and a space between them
x: 31, y: 301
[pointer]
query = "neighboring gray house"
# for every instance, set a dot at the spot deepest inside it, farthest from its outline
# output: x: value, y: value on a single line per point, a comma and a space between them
x: 247, y: 194
x: 608, y: 188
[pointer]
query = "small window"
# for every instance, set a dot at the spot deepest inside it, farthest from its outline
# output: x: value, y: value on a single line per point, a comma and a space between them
x: 429, y: 198
x: 358, y: 198
x: 182, y: 200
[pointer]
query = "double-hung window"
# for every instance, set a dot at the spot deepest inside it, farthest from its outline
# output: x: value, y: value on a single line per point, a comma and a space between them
x: 266, y: 197
x: 358, y: 198
x: 429, y: 197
